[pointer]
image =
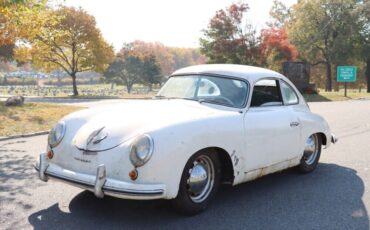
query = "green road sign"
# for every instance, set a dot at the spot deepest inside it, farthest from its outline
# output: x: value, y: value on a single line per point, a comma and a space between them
x: 346, y: 73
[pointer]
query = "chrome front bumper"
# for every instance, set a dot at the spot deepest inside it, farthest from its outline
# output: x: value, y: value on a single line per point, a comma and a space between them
x: 99, y: 183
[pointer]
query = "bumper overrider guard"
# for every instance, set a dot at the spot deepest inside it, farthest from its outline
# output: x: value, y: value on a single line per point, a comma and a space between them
x: 99, y: 183
x: 334, y: 139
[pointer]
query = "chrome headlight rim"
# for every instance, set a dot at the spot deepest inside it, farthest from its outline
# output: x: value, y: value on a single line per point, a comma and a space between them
x: 135, y: 160
x: 55, y: 143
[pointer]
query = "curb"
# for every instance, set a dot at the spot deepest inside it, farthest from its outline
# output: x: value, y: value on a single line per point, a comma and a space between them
x: 24, y: 135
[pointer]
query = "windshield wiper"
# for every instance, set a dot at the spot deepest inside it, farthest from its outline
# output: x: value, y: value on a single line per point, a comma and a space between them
x: 159, y: 97
x: 207, y: 101
x: 211, y: 101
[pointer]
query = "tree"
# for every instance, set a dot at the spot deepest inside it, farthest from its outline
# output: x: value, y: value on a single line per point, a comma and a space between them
x: 7, y: 22
x: 124, y: 70
x: 276, y: 48
x: 19, y: 20
x: 132, y: 66
x: 168, y: 58
x: 112, y: 73
x: 322, y: 31
x: 151, y: 72
x: 279, y: 14
x: 162, y: 54
x: 72, y: 43
x: 275, y: 44
x: 6, y: 52
x: 183, y: 57
x: 5, y: 81
x: 363, y: 38
x: 229, y: 39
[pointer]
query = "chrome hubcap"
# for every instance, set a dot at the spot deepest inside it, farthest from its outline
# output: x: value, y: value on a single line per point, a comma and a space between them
x: 311, y: 150
x: 201, y: 179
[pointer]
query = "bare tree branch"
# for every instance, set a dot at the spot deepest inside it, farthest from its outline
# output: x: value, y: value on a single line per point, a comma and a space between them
x: 62, y: 55
x: 53, y: 60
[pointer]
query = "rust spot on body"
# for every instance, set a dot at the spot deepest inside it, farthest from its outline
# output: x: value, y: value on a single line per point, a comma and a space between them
x: 234, y: 158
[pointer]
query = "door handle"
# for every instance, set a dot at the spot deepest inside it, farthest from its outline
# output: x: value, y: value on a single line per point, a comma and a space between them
x: 294, y: 124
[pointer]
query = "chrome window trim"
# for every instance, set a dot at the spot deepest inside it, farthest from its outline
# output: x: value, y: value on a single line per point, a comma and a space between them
x: 293, y: 91
x: 278, y: 86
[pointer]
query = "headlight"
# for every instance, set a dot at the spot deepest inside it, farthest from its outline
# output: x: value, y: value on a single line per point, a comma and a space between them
x: 56, y: 134
x: 141, y: 150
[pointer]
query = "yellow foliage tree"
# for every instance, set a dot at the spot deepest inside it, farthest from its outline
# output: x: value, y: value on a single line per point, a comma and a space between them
x: 71, y: 42
x: 19, y: 21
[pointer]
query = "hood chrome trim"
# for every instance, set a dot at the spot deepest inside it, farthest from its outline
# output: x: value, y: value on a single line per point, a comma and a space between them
x: 94, y: 135
x: 97, y: 150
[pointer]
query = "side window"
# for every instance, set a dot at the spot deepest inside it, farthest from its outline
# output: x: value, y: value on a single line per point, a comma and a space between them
x: 290, y: 97
x: 266, y: 93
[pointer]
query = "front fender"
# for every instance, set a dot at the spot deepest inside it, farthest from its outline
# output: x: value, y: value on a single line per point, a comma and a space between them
x: 174, y: 145
x: 313, y: 123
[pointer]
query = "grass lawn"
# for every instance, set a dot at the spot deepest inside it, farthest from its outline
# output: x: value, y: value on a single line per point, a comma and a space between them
x: 336, y: 96
x: 31, y: 117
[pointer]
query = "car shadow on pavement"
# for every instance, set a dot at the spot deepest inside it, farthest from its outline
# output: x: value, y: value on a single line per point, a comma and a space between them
x: 15, y: 166
x: 17, y: 180
x: 328, y: 198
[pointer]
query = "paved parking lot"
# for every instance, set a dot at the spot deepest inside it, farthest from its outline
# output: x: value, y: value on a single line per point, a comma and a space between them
x: 335, y: 196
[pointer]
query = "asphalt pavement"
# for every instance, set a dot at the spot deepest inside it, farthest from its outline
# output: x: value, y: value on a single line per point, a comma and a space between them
x: 335, y: 196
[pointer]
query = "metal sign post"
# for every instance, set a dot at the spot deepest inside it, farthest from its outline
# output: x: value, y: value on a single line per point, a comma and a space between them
x: 346, y: 74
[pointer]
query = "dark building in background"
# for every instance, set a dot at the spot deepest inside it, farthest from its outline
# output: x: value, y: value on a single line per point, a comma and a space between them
x: 298, y: 73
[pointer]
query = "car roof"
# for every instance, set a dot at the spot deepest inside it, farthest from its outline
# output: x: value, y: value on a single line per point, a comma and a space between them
x: 250, y: 73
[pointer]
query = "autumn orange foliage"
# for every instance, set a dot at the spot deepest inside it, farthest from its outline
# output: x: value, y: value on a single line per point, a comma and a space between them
x: 277, y: 39
x: 168, y: 58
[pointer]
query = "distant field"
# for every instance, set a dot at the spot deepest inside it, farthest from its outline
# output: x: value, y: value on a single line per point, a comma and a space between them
x: 31, y: 117
x: 98, y: 90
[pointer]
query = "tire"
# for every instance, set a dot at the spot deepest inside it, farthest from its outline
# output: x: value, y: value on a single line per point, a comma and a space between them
x: 195, y: 190
x: 311, y: 155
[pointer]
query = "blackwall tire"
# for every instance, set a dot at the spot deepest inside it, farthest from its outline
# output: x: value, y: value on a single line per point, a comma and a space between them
x: 199, y: 183
x: 311, y: 155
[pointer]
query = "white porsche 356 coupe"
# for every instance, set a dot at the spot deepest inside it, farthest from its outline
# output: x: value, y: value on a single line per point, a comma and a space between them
x: 209, y: 124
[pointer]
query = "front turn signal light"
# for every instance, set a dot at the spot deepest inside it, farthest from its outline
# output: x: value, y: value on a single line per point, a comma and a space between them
x: 133, y: 174
x: 50, y: 154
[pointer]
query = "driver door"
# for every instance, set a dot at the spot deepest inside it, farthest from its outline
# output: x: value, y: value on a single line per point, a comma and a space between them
x: 272, y: 130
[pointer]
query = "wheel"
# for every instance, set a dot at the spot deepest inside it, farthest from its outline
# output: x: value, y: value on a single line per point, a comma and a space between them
x: 199, y: 183
x: 311, y: 155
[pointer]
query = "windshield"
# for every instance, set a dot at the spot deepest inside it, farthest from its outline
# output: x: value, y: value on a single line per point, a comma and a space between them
x: 210, y: 89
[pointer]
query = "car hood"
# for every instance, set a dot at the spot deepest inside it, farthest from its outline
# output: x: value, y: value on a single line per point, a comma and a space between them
x: 104, y: 128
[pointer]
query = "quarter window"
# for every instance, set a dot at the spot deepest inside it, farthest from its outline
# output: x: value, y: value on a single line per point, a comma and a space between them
x: 266, y: 93
x: 290, y: 97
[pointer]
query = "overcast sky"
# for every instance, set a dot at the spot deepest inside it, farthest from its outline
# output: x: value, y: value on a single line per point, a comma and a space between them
x: 171, y: 22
